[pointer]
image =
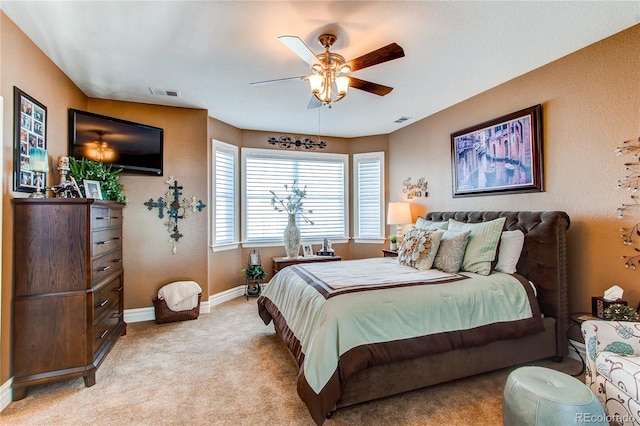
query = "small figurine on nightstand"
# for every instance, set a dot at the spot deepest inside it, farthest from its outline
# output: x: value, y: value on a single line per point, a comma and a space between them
x: 326, y: 249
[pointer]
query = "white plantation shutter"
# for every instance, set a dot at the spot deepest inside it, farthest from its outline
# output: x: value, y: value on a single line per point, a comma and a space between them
x: 369, y: 195
x: 225, y: 165
x: 323, y: 174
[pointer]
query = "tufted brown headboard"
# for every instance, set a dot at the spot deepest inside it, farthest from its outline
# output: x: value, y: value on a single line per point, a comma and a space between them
x: 543, y: 260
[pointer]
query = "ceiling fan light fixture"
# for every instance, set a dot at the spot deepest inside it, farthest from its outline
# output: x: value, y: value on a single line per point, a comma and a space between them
x: 342, y: 84
x: 315, y: 83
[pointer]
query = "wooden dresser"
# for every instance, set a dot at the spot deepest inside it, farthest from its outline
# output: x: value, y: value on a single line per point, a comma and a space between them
x: 68, y: 288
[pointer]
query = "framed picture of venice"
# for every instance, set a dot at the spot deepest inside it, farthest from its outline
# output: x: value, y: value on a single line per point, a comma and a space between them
x: 499, y: 156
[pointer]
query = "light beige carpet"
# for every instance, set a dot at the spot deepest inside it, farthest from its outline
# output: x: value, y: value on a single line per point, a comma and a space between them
x: 228, y: 368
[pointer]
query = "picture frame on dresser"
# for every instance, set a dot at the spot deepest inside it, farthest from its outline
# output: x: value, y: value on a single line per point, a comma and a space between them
x: 499, y: 156
x: 92, y: 189
x: 29, y: 132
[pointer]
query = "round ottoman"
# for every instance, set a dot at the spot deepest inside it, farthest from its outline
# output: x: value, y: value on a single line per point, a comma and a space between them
x: 544, y: 397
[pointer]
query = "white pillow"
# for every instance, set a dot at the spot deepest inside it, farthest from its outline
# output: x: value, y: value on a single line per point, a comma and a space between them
x: 511, y: 243
x: 483, y: 244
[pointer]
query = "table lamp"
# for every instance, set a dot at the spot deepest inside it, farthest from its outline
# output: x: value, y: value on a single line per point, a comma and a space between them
x: 39, y: 164
x: 399, y: 214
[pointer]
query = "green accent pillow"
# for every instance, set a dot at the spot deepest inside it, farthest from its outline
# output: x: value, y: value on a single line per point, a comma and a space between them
x: 423, y: 223
x: 483, y: 244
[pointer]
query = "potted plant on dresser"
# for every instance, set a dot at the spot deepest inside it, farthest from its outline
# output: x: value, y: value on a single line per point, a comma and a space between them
x: 84, y: 169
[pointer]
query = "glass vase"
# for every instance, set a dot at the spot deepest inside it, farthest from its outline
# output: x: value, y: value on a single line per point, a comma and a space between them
x: 292, y: 238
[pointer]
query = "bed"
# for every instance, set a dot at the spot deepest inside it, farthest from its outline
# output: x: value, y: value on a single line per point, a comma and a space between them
x: 336, y: 318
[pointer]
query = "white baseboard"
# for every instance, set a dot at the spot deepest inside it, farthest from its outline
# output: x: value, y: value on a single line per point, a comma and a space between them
x: 149, y: 314
x: 6, y: 394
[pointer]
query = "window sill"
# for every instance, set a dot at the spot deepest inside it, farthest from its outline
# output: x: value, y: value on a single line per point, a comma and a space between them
x: 250, y: 244
x: 369, y: 240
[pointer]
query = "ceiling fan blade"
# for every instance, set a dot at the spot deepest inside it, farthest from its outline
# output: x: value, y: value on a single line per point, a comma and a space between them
x: 314, y: 103
x: 384, y: 54
x: 277, y: 81
x: 298, y: 47
x: 367, y: 86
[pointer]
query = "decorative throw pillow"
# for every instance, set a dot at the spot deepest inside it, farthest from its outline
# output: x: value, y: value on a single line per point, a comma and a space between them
x: 483, y: 244
x: 511, y: 243
x: 451, y: 251
x: 423, y: 223
x: 419, y: 248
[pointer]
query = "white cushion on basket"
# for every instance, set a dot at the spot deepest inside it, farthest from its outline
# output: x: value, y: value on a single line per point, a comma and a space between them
x: 180, y: 295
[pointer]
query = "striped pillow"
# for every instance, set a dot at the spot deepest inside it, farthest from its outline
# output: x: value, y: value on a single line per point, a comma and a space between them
x: 483, y: 244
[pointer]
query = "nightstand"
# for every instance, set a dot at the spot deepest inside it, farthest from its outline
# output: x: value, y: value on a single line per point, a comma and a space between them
x: 282, y: 262
x: 389, y: 253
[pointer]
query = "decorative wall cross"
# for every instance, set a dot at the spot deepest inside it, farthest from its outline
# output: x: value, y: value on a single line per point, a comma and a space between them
x: 176, y: 208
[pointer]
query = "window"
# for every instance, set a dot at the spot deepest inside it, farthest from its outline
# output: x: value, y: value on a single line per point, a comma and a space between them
x: 225, y: 198
x: 368, y: 187
x: 269, y: 170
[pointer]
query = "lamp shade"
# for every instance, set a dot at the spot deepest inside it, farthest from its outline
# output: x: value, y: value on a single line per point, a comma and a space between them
x: 315, y: 82
x: 342, y: 83
x: 399, y: 214
x: 39, y: 160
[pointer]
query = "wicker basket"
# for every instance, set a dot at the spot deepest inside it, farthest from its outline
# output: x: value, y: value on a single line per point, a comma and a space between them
x: 164, y: 314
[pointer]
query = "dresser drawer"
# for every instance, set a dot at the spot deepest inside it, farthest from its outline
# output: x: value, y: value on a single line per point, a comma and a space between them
x: 103, y: 330
x: 106, y: 240
x: 100, y: 217
x: 115, y: 218
x: 106, y: 296
x: 106, y: 265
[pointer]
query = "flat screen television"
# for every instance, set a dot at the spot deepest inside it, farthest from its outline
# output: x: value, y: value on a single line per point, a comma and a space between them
x: 133, y: 147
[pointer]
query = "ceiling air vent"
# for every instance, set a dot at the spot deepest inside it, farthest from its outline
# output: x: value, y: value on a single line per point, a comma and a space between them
x: 402, y: 119
x: 164, y: 92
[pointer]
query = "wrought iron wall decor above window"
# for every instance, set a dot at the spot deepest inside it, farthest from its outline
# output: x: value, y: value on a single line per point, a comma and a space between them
x: 631, y: 182
x: 288, y: 142
x: 174, y: 208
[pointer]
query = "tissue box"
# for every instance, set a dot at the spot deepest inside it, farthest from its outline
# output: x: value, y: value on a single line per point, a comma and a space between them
x: 598, y: 305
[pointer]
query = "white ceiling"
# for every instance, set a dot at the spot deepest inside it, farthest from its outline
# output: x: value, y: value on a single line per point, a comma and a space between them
x: 210, y: 51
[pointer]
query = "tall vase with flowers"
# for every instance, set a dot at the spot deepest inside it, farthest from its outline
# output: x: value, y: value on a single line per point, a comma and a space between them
x: 293, y: 206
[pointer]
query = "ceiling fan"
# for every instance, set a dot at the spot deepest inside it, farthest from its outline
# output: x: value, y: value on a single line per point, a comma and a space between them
x: 329, y: 81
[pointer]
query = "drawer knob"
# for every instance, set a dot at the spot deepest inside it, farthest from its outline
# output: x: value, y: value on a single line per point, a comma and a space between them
x: 117, y: 260
x: 103, y: 303
x: 118, y: 290
x: 104, y: 268
x: 104, y: 333
x: 101, y: 217
x: 103, y: 243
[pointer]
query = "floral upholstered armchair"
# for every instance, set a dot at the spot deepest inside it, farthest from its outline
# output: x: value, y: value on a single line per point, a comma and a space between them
x: 613, y: 367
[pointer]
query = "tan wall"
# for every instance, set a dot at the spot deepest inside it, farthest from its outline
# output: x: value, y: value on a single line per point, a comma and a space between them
x: 590, y: 102
x: 224, y: 266
x: 25, y: 66
x: 148, y: 260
